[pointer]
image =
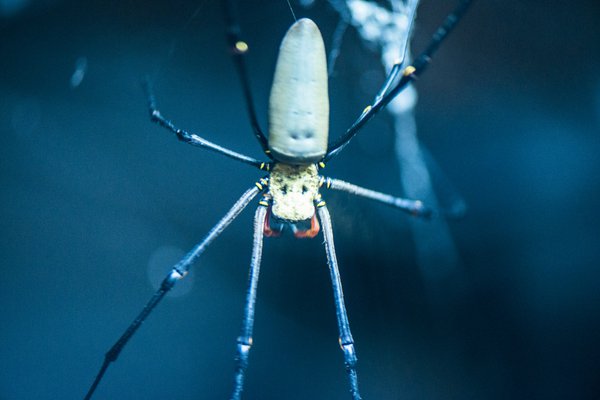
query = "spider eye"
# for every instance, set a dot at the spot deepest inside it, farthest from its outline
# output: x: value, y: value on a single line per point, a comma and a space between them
x: 304, y: 189
x: 284, y: 189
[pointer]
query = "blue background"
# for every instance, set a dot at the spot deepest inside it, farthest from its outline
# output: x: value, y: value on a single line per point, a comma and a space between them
x: 97, y: 203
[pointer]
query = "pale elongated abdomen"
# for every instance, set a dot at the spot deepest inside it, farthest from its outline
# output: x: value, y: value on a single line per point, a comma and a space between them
x: 299, y: 102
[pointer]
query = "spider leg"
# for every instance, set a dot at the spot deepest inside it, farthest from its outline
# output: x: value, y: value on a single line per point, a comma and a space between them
x: 410, y: 11
x: 238, y: 48
x: 413, y: 207
x: 178, y: 272
x: 244, y: 341
x: 392, y: 75
x: 191, y: 138
x: 336, y: 41
x: 345, y: 340
x: 409, y: 74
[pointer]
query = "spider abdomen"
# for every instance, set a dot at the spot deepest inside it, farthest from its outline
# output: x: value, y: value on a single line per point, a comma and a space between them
x: 299, y: 101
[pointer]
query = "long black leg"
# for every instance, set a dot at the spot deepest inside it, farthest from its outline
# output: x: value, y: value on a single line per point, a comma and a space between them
x: 409, y: 74
x: 238, y: 48
x: 178, y: 272
x: 408, y: 11
x: 244, y: 341
x: 345, y: 340
x: 411, y: 10
x: 392, y: 75
x: 413, y: 207
x: 192, y: 138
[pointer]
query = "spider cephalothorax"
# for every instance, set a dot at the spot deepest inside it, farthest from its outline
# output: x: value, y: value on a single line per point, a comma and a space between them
x: 293, y: 191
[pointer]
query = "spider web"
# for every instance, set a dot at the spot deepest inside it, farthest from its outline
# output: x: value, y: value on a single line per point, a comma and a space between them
x: 388, y: 31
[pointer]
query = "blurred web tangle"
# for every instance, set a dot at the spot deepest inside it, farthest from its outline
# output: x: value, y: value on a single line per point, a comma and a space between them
x: 388, y: 30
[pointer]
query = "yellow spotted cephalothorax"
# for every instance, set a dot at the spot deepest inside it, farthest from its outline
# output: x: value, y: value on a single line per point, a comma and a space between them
x: 294, y: 189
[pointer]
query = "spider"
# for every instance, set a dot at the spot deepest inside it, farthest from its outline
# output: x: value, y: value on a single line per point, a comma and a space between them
x: 297, y: 149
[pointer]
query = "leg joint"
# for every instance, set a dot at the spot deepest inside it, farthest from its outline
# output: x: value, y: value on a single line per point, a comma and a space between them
x: 349, y: 354
x: 172, y: 278
x: 245, y: 341
x: 155, y: 115
x: 243, y: 351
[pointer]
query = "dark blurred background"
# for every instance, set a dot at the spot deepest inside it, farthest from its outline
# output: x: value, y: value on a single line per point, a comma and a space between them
x: 97, y: 203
